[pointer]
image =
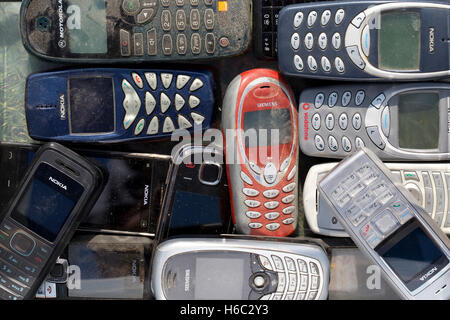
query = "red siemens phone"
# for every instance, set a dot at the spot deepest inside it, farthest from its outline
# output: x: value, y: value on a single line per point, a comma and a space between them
x: 259, y: 121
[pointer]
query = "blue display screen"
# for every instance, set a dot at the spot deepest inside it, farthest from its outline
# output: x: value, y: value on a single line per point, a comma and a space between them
x: 412, y: 254
x: 192, y: 209
x: 47, y: 202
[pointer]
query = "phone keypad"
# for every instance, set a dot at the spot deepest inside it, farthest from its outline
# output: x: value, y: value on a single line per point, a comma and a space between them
x: 270, y: 208
x: 370, y: 194
x: 182, y: 28
x: 21, y: 258
x: 297, y: 278
x: 159, y: 103
x: 322, y: 41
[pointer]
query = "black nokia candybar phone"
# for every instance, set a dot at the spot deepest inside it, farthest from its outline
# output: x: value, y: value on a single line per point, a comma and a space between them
x: 57, y: 191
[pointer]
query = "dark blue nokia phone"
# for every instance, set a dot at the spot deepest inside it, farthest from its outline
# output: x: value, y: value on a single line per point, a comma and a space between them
x: 365, y: 40
x: 117, y: 105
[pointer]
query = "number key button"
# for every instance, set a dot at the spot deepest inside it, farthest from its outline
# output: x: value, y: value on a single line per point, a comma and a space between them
x: 332, y: 99
x: 298, y: 63
x: 195, y: 19
x: 325, y: 63
x: 343, y: 121
x: 270, y: 194
x: 325, y: 18
x: 357, y: 121
x: 295, y: 41
x: 209, y: 19
x: 339, y: 65
x: 359, y: 97
x: 336, y: 41
x: 180, y: 20
x: 168, y: 125
x: 339, y: 16
x: 298, y: 19
x: 166, y: 20
x: 319, y: 99
x: 272, y: 226
x: 323, y: 41
x: 312, y: 17
x: 289, y: 188
x: 153, y: 127
x: 319, y: 143
x: 315, y: 121
x: 329, y: 121
x: 312, y: 64
x: 309, y: 41
x: 332, y: 143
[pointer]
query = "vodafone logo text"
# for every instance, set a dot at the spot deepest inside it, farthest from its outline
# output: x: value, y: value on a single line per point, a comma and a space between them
x: 305, y: 107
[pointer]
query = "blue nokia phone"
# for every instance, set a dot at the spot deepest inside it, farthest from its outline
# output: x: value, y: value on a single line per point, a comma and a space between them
x: 365, y: 40
x: 117, y: 105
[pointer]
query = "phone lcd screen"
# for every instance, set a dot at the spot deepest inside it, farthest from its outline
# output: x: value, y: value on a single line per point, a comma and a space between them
x: 263, y: 122
x: 219, y: 278
x: 412, y: 255
x: 47, y: 202
x: 86, y: 23
x: 418, y: 120
x: 91, y: 105
x: 399, y: 41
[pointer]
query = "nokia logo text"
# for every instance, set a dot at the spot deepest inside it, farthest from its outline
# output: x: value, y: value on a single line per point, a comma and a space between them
x: 428, y: 274
x: 59, y: 184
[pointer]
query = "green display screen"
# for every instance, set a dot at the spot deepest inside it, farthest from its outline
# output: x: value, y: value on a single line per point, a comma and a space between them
x: 418, y: 119
x: 86, y: 23
x: 399, y: 41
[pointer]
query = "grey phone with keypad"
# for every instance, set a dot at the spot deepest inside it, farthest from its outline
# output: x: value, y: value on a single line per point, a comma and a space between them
x: 386, y: 224
x: 396, y: 121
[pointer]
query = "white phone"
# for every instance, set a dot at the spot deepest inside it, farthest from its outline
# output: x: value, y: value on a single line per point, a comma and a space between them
x: 428, y: 183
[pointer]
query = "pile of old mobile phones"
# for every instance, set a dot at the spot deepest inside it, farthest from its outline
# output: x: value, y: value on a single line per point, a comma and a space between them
x: 196, y: 198
x: 56, y: 193
x: 135, y: 30
x: 388, y: 226
x: 259, y: 122
x: 364, y: 40
x: 131, y: 200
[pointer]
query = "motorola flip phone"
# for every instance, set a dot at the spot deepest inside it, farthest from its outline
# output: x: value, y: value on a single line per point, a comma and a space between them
x: 239, y: 269
x: 56, y: 193
x: 117, y: 105
x: 387, y: 225
x: 259, y: 121
x: 407, y: 122
x: 129, y: 31
x: 365, y: 40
